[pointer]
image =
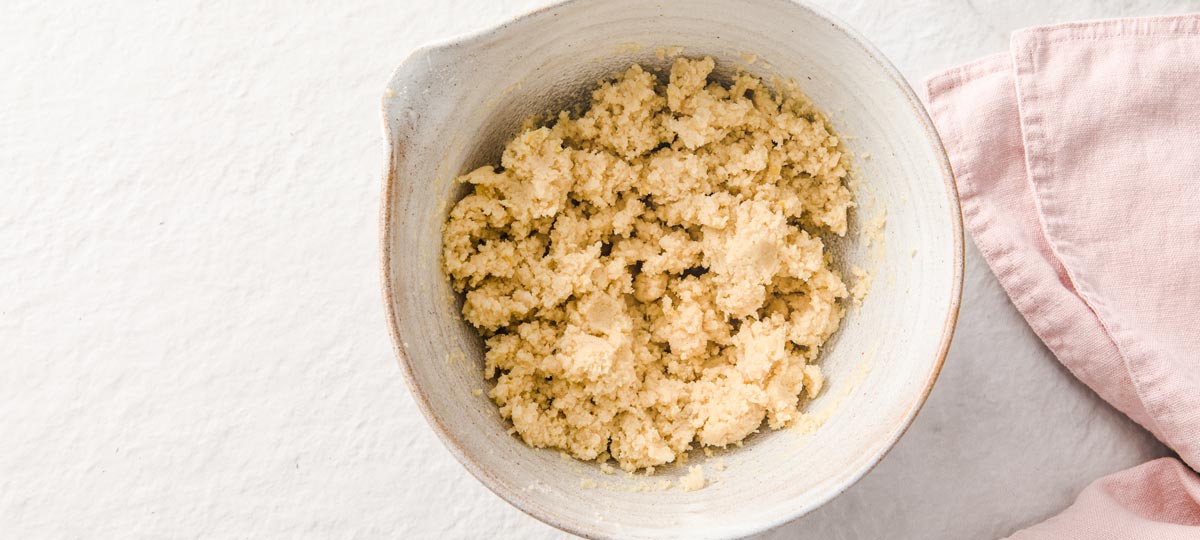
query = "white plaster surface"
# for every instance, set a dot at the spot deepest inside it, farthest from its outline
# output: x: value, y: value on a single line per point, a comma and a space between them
x: 192, y: 340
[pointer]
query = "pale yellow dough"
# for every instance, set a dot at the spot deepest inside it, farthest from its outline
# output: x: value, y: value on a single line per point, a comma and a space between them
x: 693, y: 480
x: 650, y: 275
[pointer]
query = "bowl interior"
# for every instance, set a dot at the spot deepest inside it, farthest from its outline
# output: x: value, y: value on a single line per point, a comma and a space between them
x: 450, y: 108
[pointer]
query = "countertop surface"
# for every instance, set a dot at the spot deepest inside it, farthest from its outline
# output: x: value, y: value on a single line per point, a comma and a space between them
x: 192, y: 338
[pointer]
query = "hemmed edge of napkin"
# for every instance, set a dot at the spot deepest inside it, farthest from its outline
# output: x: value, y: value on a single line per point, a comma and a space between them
x: 1156, y: 394
x: 1040, y: 292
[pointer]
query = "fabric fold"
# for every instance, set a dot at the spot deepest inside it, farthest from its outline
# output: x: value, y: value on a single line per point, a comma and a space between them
x: 1077, y: 157
x: 1159, y: 500
x: 1110, y: 117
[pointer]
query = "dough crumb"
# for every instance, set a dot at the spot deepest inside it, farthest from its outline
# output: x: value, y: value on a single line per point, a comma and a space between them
x: 649, y: 273
x: 630, y: 47
x: 873, y: 232
x: 663, y: 53
x: 693, y: 480
x: 861, y: 286
x: 607, y: 469
x: 719, y: 465
x: 476, y: 392
x: 587, y: 483
x: 539, y: 487
x: 658, y: 485
x: 749, y: 58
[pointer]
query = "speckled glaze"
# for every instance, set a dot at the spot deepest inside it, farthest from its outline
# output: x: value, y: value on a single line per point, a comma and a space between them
x: 449, y: 108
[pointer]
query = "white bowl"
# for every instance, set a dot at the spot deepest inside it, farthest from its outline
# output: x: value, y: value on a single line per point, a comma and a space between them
x: 450, y: 107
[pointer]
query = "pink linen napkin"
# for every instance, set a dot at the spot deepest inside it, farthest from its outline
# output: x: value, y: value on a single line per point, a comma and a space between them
x: 1077, y: 157
x: 1153, y: 501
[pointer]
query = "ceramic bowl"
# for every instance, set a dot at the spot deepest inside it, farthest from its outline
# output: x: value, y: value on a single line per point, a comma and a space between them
x: 450, y: 107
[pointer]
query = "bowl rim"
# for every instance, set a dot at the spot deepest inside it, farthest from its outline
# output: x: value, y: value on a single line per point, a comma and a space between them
x: 448, y: 440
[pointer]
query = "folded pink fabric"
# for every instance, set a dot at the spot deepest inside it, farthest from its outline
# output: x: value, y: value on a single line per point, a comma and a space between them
x: 1155, y: 501
x: 1077, y: 156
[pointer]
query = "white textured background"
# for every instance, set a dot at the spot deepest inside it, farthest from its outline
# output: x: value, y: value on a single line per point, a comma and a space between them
x: 192, y: 341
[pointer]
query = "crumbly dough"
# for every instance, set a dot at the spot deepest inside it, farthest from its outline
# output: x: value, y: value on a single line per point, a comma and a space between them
x: 650, y: 275
x: 861, y: 286
x: 693, y: 480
